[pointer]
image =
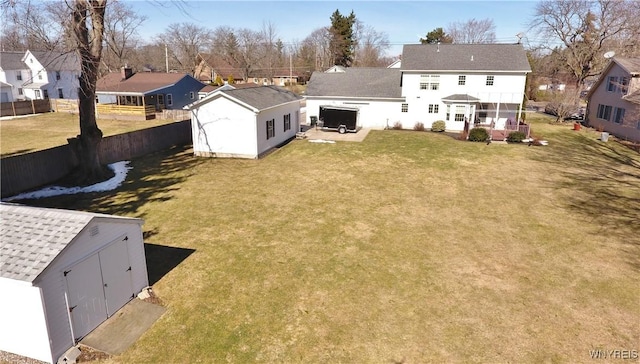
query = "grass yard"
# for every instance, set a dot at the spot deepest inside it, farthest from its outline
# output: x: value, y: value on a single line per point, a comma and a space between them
x: 42, y: 131
x: 410, y: 247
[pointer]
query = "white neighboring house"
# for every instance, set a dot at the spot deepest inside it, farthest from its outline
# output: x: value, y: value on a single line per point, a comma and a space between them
x: 614, y: 100
x: 35, y: 75
x: 63, y: 273
x: 245, y: 122
x: 461, y: 84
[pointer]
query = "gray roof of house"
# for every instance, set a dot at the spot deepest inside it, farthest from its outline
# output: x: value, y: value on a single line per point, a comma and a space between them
x: 461, y: 97
x: 632, y: 65
x: 357, y: 82
x: 33, y: 237
x: 464, y: 57
x: 12, y: 61
x: 262, y: 97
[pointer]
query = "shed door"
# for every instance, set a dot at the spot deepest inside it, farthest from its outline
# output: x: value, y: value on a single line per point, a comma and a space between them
x: 86, y: 296
x: 99, y: 286
x: 116, y: 276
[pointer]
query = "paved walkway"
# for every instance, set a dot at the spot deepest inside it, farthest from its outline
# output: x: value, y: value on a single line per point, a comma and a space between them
x: 123, y: 329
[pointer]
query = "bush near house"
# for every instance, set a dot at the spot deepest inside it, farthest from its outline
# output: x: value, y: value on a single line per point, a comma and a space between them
x: 438, y: 125
x: 419, y: 126
x: 516, y: 137
x: 397, y: 126
x: 478, y: 135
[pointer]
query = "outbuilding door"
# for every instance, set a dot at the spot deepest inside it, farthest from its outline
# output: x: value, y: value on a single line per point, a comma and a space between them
x: 98, y: 286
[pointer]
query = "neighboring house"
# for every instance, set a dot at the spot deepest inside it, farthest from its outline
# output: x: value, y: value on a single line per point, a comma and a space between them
x: 614, y: 100
x: 245, y: 122
x: 129, y: 95
x: 461, y: 84
x: 336, y: 69
x: 35, y: 75
x: 63, y: 273
x: 211, y: 66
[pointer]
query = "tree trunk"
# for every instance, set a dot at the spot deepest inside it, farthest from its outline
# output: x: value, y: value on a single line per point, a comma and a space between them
x: 89, y: 48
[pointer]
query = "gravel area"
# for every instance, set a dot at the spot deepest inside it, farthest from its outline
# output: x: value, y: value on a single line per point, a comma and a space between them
x: 17, y: 359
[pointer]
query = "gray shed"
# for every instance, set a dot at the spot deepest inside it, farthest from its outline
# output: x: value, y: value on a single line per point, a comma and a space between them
x: 62, y: 273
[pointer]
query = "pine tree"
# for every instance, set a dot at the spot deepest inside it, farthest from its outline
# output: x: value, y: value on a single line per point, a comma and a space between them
x: 342, y: 41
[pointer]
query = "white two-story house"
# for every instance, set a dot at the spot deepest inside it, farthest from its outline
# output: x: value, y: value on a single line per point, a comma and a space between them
x: 34, y: 75
x: 461, y: 84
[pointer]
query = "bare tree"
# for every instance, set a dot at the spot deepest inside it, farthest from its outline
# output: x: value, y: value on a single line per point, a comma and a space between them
x: 34, y: 25
x: 121, y: 26
x: 473, y: 31
x: 268, y: 51
x: 317, y: 46
x: 185, y: 42
x: 370, y: 46
x: 88, y: 29
x: 586, y: 30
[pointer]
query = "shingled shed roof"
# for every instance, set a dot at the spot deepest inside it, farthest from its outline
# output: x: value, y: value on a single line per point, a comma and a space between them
x: 357, y: 82
x: 32, y: 237
x: 256, y: 97
x: 465, y: 57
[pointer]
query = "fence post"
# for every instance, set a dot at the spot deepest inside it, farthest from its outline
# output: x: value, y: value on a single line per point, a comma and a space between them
x: 13, y: 107
x: 33, y: 108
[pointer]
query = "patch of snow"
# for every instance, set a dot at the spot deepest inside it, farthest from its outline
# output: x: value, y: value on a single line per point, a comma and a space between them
x: 119, y: 168
x: 321, y: 141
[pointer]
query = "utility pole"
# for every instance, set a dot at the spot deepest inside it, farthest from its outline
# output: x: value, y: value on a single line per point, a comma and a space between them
x: 166, y: 57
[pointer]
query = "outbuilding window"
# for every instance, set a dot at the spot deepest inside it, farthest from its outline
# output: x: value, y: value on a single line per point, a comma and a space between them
x: 287, y: 122
x: 271, y: 131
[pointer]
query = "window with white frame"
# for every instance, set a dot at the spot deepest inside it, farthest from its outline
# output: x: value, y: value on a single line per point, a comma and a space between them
x: 404, y: 108
x: 191, y: 95
x: 271, y: 131
x: 46, y: 93
x: 429, y: 82
x: 19, y: 76
x: 19, y: 90
x: 287, y: 122
x: 60, y: 94
x: 169, y: 99
x: 460, y: 110
x: 448, y: 112
x: 624, y: 85
x: 36, y: 94
x: 57, y: 75
x: 612, y: 82
x: 434, y: 108
x: 462, y: 80
x: 604, y: 112
x: 618, y: 115
x: 489, y: 81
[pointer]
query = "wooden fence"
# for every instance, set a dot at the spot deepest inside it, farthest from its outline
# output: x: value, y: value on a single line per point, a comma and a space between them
x: 25, y: 172
x: 64, y: 105
x: 126, y: 112
x: 16, y: 108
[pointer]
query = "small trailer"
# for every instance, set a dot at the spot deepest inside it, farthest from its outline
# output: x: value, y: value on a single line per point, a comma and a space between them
x: 342, y: 119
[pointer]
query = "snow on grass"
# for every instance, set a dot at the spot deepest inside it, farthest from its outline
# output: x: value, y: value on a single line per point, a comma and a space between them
x: 119, y: 168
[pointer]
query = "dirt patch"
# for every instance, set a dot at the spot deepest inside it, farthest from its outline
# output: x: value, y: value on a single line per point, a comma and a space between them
x: 88, y: 354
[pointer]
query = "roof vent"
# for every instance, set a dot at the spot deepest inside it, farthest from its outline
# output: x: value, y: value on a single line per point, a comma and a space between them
x: 438, y: 48
x: 95, y: 230
x: 472, y: 58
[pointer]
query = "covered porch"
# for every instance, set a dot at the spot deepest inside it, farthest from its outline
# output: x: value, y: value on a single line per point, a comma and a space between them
x: 130, y: 106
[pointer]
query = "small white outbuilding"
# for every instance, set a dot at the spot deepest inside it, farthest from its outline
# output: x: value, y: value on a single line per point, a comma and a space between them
x: 245, y: 122
x: 62, y: 273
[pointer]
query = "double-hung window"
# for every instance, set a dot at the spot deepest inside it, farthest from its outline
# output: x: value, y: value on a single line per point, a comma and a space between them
x: 462, y: 80
x: 429, y: 82
x: 460, y: 109
x: 489, y: 81
x: 287, y: 122
x: 404, y: 108
x: 612, y: 83
x: 604, y: 112
x: 271, y: 131
x: 434, y: 108
x: 19, y: 76
x: 618, y: 115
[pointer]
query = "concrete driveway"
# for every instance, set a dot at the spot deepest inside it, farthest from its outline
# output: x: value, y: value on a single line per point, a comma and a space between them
x: 313, y: 133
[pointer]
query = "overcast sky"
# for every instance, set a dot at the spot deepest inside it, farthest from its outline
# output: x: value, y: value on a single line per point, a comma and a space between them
x: 404, y: 22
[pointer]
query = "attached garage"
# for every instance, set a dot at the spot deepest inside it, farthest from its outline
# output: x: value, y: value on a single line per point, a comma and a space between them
x: 62, y: 273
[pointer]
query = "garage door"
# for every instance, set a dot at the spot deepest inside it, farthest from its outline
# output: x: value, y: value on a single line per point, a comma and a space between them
x: 98, y: 286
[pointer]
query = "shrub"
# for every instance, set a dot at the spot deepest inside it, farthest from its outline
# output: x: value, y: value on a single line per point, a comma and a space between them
x: 478, y: 135
x: 516, y: 137
x: 438, y: 125
x: 419, y: 126
x: 397, y: 126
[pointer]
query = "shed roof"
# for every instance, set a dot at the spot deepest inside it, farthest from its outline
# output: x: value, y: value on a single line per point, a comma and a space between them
x: 465, y: 57
x: 141, y: 82
x: 357, y: 82
x: 32, y: 237
x: 257, y: 97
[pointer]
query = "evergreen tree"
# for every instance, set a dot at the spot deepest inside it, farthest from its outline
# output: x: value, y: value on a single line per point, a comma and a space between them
x: 342, y: 40
x: 435, y: 36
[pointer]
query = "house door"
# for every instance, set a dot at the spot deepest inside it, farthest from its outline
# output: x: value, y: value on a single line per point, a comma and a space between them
x: 4, y: 97
x: 98, y: 287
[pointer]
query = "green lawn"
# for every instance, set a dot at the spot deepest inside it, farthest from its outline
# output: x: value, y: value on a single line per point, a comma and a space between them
x: 42, y: 131
x: 410, y: 247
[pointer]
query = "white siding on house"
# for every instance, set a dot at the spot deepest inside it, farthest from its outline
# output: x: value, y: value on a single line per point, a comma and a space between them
x: 22, y: 317
x: 372, y: 113
x: 52, y: 281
